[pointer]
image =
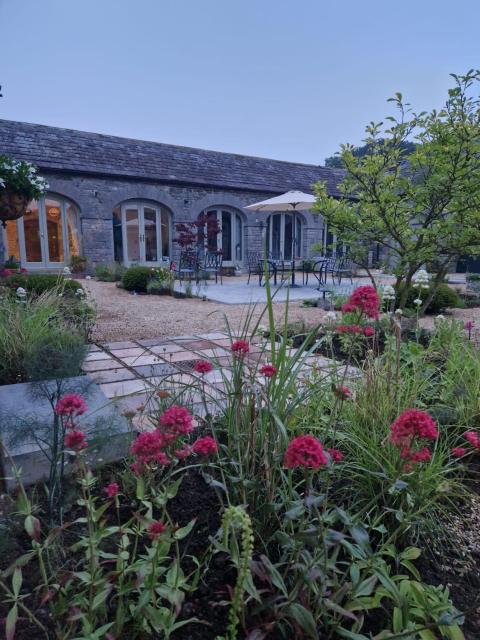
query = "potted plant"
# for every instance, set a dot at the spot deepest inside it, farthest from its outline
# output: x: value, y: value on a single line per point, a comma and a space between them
x: 19, y: 184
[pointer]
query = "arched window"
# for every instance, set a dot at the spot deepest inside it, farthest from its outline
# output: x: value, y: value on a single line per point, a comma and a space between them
x: 47, y: 236
x: 141, y: 232
x: 280, y: 236
x: 223, y: 231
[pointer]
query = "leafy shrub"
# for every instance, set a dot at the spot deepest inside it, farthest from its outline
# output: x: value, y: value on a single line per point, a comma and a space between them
x: 136, y: 278
x: 38, y: 283
x: 157, y: 287
x: 112, y: 272
x: 445, y: 298
x: 78, y: 264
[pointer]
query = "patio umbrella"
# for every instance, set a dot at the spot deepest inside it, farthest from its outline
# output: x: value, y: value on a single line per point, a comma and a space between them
x: 291, y: 201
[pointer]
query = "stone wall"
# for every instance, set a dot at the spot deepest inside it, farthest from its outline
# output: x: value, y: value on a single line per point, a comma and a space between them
x: 96, y: 198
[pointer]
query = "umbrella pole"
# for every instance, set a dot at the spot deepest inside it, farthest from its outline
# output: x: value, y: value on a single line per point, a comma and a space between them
x: 294, y: 244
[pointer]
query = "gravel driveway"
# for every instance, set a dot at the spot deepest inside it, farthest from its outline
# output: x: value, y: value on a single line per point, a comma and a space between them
x: 122, y: 316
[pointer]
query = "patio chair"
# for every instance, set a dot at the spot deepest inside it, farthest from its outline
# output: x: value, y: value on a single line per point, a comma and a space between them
x: 319, y: 272
x: 344, y: 268
x: 188, y: 266
x: 329, y: 267
x: 253, y: 259
x: 212, y: 263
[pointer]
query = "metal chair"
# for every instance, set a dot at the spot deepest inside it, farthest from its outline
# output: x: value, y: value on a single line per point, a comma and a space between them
x: 253, y: 258
x: 319, y: 271
x: 188, y: 265
x: 344, y: 267
x: 212, y: 263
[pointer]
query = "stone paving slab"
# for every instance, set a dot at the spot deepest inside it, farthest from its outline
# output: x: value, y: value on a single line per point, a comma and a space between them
x: 100, y: 365
x: 115, y: 375
x: 126, y: 344
x: 125, y: 353
x: 166, y: 348
x: 97, y: 355
x: 124, y: 387
x: 160, y: 369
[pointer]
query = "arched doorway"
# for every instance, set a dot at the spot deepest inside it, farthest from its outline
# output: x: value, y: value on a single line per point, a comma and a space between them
x: 141, y: 232
x: 223, y: 231
x: 47, y: 235
x: 280, y: 236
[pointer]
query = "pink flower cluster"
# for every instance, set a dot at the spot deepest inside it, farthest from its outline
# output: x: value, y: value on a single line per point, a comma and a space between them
x: 164, y: 444
x: 240, y: 347
x: 268, y: 370
x: 335, y: 455
x: 368, y: 331
x: 305, y: 451
x: 69, y: 407
x: 112, y: 489
x: 342, y: 393
x: 72, y: 405
x: 155, y: 529
x: 409, y: 432
x: 473, y: 438
x: 364, y: 300
x: 203, y: 366
x: 75, y: 440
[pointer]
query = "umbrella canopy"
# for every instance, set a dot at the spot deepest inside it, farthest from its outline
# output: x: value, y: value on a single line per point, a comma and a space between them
x: 290, y: 201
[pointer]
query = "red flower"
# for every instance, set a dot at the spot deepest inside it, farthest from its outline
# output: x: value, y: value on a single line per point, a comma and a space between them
x: 240, y: 347
x: 343, y: 393
x: 304, y: 451
x: 424, y: 455
x: 71, y: 404
x: 205, y: 446
x: 473, y: 437
x: 75, y: 440
x: 268, y: 370
x: 155, y: 529
x: 459, y: 452
x: 203, y: 366
x: 412, y: 423
x: 349, y: 328
x: 365, y: 300
x: 335, y: 454
x: 348, y: 308
x: 468, y: 326
x: 149, y: 447
x: 183, y: 453
x: 112, y: 489
x: 368, y: 332
x: 176, y: 420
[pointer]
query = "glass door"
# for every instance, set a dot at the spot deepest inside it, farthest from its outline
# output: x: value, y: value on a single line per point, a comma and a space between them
x: 142, y: 234
x: 42, y: 235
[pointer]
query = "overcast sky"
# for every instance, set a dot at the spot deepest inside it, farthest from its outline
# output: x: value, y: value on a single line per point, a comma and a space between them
x: 288, y: 79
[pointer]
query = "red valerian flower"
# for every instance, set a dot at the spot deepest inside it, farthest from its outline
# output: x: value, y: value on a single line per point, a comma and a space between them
x: 365, y: 300
x: 268, y: 370
x: 240, y: 347
x: 459, y: 452
x: 349, y: 328
x: 183, y: 453
x: 149, y: 447
x: 335, y: 455
x: 203, y: 366
x: 71, y: 404
x: 155, y: 529
x: 176, y: 420
x: 468, y: 326
x: 473, y: 437
x: 348, y: 308
x: 75, y: 440
x: 112, y: 489
x: 205, y: 446
x: 412, y: 423
x: 342, y: 393
x: 304, y: 451
x: 424, y: 455
x: 368, y: 332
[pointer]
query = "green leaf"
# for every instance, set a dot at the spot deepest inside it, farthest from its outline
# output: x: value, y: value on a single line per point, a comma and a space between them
x: 11, y: 623
x: 366, y: 587
x: 350, y: 635
x: 410, y: 553
x: 397, y: 620
x: 338, y: 609
x: 17, y: 581
x: 303, y: 617
x: 184, y: 531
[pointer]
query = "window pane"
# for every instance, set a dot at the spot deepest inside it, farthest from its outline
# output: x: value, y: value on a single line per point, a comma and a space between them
x: 287, y: 247
x: 238, y: 238
x: 117, y: 235
x: 298, y: 237
x: 226, y: 235
x: 11, y: 233
x: 53, y: 213
x: 31, y: 226
x: 212, y: 231
x: 150, y: 221
x: 276, y: 229
x: 165, y: 234
x: 73, y: 225
x: 133, y: 240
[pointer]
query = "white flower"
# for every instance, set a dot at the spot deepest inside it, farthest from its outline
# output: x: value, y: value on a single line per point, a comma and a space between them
x: 21, y: 293
x: 440, y: 318
x: 388, y: 292
x: 88, y: 277
x: 66, y: 271
x: 418, y: 302
x: 2, y: 182
x: 398, y: 312
x: 80, y: 293
x: 330, y: 316
x: 421, y: 279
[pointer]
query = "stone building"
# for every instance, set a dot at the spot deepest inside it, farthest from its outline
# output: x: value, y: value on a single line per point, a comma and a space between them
x: 119, y: 199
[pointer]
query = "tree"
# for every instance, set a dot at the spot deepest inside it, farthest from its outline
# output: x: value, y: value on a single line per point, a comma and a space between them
x: 192, y: 234
x: 336, y: 161
x: 423, y: 205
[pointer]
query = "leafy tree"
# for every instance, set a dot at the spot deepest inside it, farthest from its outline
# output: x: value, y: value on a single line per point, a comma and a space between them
x: 191, y: 234
x: 336, y: 161
x: 422, y: 205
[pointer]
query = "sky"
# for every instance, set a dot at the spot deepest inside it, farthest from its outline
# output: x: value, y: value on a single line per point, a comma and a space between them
x: 276, y: 78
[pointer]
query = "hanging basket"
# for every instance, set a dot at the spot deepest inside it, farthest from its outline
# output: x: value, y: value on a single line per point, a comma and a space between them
x: 13, y: 205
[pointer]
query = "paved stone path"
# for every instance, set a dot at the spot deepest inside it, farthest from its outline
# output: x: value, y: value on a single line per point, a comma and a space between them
x: 131, y: 372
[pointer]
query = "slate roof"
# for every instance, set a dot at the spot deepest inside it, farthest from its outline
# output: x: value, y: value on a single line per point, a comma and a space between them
x: 68, y: 150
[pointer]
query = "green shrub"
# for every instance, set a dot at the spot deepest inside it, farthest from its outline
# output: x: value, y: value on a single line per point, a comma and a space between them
x: 157, y: 287
x: 136, y: 278
x: 38, y: 283
x: 109, y: 272
x: 78, y: 264
x: 445, y: 298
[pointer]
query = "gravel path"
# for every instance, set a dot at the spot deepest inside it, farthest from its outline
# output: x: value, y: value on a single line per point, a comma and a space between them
x: 122, y: 316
